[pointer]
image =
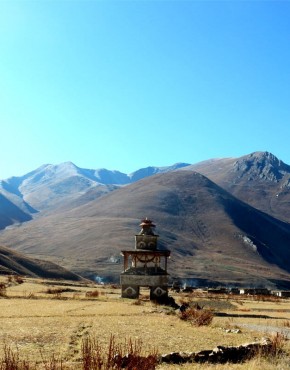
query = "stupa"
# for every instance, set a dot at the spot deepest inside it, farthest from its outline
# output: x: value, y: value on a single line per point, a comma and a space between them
x: 145, y: 266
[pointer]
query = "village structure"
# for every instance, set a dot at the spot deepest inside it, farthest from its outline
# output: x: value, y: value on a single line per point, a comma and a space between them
x: 145, y: 266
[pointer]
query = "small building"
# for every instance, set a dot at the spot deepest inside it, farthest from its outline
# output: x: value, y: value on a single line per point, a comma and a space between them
x: 145, y: 266
x: 255, y: 291
x: 281, y: 293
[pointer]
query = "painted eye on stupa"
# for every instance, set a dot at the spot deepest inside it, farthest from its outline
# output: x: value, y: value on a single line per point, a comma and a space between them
x: 130, y: 292
x: 158, y: 292
x: 141, y: 245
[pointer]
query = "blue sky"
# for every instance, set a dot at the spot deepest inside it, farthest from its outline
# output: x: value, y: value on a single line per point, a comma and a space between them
x: 129, y: 84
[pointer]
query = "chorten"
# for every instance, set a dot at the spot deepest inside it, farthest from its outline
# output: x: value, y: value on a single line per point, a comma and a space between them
x: 145, y: 266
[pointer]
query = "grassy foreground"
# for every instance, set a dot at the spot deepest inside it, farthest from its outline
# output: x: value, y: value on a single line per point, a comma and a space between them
x: 41, y: 320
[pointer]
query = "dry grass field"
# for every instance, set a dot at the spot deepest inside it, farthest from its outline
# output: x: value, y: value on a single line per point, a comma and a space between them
x: 40, y: 319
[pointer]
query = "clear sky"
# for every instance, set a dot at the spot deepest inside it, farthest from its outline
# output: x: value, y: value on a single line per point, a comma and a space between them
x: 129, y: 84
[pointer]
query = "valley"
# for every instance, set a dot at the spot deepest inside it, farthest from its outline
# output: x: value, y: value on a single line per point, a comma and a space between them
x: 214, y: 216
x: 44, y: 319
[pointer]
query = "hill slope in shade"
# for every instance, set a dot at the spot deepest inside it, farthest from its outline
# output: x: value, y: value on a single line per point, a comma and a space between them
x: 213, y: 236
x: 12, y: 262
x: 259, y: 179
x: 11, y: 213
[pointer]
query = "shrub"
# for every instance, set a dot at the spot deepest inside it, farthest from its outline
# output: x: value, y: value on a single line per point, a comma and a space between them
x: 18, y: 279
x: 57, y: 292
x: 3, y: 290
x: 117, y: 356
x: 54, y: 291
x: 11, y: 361
x: 52, y: 363
x: 277, y: 344
x: 15, y: 279
x: 93, y: 294
x: 197, y: 317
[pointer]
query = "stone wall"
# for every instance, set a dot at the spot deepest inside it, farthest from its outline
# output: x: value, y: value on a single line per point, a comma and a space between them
x: 220, y: 354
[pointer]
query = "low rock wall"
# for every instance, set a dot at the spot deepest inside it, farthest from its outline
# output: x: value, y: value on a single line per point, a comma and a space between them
x: 220, y: 354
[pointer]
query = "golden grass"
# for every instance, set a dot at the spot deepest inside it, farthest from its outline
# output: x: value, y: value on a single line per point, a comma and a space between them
x: 38, y: 323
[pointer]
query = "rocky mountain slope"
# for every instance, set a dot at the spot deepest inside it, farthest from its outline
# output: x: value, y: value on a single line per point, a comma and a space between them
x: 213, y: 236
x: 259, y: 179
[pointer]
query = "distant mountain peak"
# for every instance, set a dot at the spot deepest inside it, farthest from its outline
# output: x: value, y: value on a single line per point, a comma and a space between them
x: 262, y: 165
x: 67, y: 164
x: 64, y: 166
x: 267, y: 157
x: 151, y: 170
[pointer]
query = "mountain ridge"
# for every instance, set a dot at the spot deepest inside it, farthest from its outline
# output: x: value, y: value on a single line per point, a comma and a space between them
x: 259, y: 179
x: 52, y: 186
x: 225, y: 219
x: 213, y: 236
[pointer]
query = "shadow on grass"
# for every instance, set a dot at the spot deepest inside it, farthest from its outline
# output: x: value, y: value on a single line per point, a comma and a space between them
x: 249, y: 316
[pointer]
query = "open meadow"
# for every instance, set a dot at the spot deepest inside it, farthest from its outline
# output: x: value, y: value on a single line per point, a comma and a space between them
x: 45, y: 319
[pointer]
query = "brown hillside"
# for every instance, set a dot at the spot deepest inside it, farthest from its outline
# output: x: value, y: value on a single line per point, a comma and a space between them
x: 212, y: 235
x: 12, y: 262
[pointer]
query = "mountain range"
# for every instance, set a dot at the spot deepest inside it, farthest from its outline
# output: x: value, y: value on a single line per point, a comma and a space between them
x: 53, y: 186
x: 226, y: 221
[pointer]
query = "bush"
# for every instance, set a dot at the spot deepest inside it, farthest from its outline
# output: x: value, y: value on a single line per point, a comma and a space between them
x: 18, y: 279
x: 278, y: 341
x: 3, y: 290
x: 197, y: 317
x: 93, y: 294
x: 117, y: 356
x: 15, y: 279
x: 11, y: 361
x: 54, y: 291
